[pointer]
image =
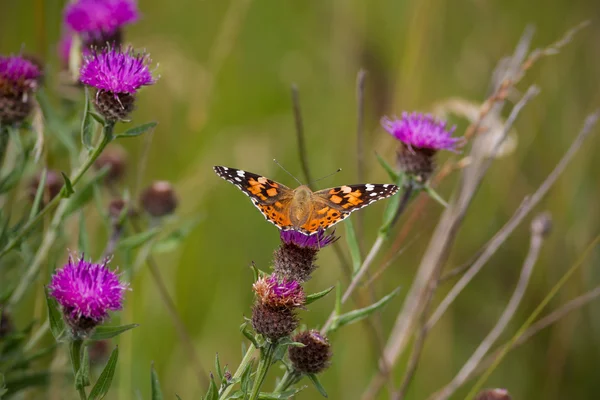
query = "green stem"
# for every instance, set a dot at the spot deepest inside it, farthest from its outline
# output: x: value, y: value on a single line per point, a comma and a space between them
x: 75, y: 350
x: 263, y: 368
x: 3, y: 142
x: 240, y: 370
x: 28, y: 227
x: 288, y: 379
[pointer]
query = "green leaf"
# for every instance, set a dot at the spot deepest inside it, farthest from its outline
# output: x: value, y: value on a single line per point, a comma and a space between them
x: 99, y: 118
x: 178, y: 398
x: 218, y: 367
x: 248, y: 334
x: 434, y: 195
x: 137, y: 240
x: 156, y: 390
x: 311, y: 298
x: 87, y: 124
x: 103, y: 383
x: 3, y: 389
x: 82, y: 378
x: 388, y: 168
x: 246, y: 381
x: 357, y: 315
x: 106, y: 332
x: 39, y: 194
x: 281, y: 396
x: 313, y: 378
x: 353, y: 245
x: 287, y: 341
x: 57, y: 325
x: 67, y: 190
x: 137, y: 131
x: 213, y: 391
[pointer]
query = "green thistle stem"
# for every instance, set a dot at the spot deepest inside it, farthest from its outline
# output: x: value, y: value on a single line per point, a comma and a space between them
x: 75, y: 350
x: 288, y: 379
x: 25, y: 282
x: 240, y: 370
x: 263, y: 368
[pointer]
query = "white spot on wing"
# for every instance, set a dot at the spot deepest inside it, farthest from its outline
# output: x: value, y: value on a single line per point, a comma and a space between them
x: 238, y: 179
x: 240, y: 173
x: 369, y: 187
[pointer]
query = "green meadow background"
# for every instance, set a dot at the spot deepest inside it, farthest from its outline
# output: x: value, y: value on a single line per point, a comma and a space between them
x: 224, y: 99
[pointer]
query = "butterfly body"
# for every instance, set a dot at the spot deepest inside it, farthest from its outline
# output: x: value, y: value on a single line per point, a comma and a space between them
x: 301, y: 209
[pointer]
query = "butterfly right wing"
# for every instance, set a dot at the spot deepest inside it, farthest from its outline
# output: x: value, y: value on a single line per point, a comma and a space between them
x: 271, y: 198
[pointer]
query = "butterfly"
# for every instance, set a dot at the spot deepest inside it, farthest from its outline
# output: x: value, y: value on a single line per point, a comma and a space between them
x: 301, y: 209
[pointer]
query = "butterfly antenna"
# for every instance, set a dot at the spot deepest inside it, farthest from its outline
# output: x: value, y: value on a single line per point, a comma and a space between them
x: 327, y: 176
x: 288, y: 172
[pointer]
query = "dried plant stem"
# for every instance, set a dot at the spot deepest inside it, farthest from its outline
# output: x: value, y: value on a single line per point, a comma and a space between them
x: 555, y: 316
x: 537, y: 238
x: 533, y: 316
x: 360, y: 141
x: 180, y: 327
x: 300, y: 135
x: 440, y: 244
x: 526, y: 206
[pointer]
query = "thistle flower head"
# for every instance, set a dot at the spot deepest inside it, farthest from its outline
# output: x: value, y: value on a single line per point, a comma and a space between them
x: 276, y: 293
x: 493, y: 394
x: 86, y: 292
x: 315, y: 241
x: 421, y: 131
x: 98, y: 19
x: 315, y: 356
x: 19, y: 78
x: 117, y: 75
x: 295, y: 258
x: 116, y: 71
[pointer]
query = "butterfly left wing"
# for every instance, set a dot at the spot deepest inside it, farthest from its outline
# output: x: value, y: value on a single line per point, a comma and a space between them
x: 336, y: 204
x: 271, y: 198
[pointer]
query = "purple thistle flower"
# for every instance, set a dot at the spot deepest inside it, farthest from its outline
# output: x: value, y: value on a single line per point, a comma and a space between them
x: 117, y: 75
x: 86, y: 292
x: 19, y: 78
x: 277, y: 293
x: 421, y: 131
x: 116, y: 71
x: 315, y: 241
x: 98, y: 19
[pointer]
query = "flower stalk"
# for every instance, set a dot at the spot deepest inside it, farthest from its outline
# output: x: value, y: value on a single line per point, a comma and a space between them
x: 75, y: 348
x: 263, y: 367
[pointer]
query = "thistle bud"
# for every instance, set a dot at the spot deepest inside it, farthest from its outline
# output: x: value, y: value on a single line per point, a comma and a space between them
x: 159, y: 199
x: 273, y: 315
x: 295, y: 258
x: 52, y: 185
x: 494, y: 394
x: 315, y: 356
x: 19, y: 80
x: 6, y: 324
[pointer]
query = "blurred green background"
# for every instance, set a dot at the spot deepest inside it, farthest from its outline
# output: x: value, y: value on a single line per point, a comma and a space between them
x: 224, y: 99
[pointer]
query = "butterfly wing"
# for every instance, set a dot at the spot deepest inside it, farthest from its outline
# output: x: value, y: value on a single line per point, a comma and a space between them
x: 333, y: 205
x: 271, y: 198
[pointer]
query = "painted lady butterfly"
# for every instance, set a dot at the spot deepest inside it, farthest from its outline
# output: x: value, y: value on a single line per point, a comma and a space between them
x: 302, y: 209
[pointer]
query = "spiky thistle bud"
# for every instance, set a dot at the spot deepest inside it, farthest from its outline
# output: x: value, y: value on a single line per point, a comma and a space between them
x: 19, y: 79
x: 295, y: 258
x: 421, y: 137
x: 159, y: 199
x: 86, y: 293
x: 315, y: 356
x: 493, y: 394
x: 273, y: 315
